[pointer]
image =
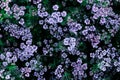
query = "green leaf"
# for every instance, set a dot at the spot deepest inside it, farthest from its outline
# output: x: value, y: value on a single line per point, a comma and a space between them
x: 95, y: 68
x: 1, y: 43
x: 11, y: 67
x: 66, y: 76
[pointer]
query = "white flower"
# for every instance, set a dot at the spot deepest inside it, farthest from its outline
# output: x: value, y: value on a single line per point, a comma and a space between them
x: 7, y: 77
x: 72, y: 39
x: 66, y: 41
x: 70, y: 48
x: 79, y: 1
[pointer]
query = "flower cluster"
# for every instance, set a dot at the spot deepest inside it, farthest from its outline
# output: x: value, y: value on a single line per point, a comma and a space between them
x: 74, y: 27
x: 70, y: 42
x: 79, y: 69
x: 59, y: 71
x: 18, y: 32
x: 59, y: 40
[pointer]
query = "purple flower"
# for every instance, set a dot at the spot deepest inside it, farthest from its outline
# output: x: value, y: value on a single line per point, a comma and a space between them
x: 78, y: 26
x: 79, y: 61
x: 45, y: 14
x: 41, y: 22
x: 85, y: 32
x: 8, y: 54
x: 118, y: 69
x: 96, y: 16
x: 2, y: 56
x: 63, y: 14
x: 102, y: 21
x: 29, y: 42
x: 95, y: 8
x: 1, y: 35
x: 51, y: 21
x: 92, y: 28
x: 55, y: 7
x: 27, y: 74
x: 60, y: 19
x: 70, y: 48
x: 22, y: 46
x: 21, y: 13
x: 64, y: 55
x: 4, y: 64
x: 66, y: 41
x: 39, y: 5
x: 92, y: 55
x: 45, y: 26
x: 27, y: 64
x: 14, y: 59
x: 58, y: 72
x: 84, y: 66
x: 87, y: 21
x: 74, y: 73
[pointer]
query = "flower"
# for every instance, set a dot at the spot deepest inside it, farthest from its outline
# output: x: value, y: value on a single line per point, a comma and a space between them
x: 60, y: 19
x: 79, y: 1
x: 87, y: 21
x: 95, y: 8
x: 66, y: 41
x: 21, y: 21
x: 63, y: 13
x: 7, y: 77
x: 58, y: 72
x: 55, y: 7
x: 4, y: 64
x: 64, y: 55
x: 102, y: 21
x: 41, y: 22
x: 2, y: 56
